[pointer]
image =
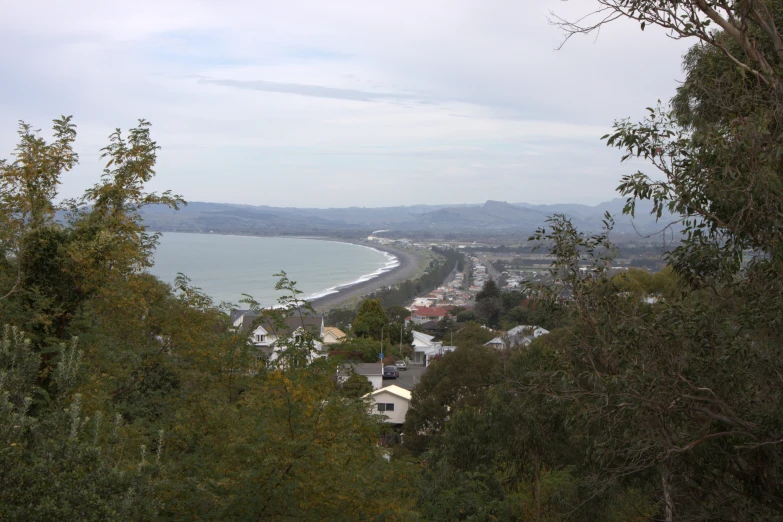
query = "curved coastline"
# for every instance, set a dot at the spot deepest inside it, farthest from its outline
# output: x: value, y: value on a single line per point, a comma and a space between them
x: 407, y: 262
x: 400, y: 265
x: 392, y: 262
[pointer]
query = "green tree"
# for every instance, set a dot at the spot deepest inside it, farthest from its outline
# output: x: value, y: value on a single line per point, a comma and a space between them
x: 489, y: 304
x: 446, y: 385
x: 341, y: 318
x: 370, y: 320
x: 58, y: 462
x: 356, y: 386
x: 397, y: 314
x: 28, y: 186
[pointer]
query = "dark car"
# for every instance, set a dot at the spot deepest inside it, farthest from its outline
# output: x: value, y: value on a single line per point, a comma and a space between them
x: 390, y: 372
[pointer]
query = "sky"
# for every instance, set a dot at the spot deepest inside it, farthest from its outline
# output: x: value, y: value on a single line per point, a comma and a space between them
x: 341, y: 103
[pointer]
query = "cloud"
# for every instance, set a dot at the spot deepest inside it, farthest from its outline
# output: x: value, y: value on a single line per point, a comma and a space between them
x: 312, y: 103
x: 316, y: 91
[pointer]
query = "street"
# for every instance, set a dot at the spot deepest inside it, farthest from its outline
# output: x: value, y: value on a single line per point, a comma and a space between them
x: 408, y: 378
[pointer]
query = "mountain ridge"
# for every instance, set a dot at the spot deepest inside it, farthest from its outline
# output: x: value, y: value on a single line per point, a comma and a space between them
x: 491, y: 215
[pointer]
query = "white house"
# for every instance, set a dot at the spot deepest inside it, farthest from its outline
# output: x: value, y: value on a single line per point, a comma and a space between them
x: 391, y: 401
x: 425, y: 348
x: 521, y: 335
x: 373, y: 372
x: 497, y: 342
x: 264, y: 332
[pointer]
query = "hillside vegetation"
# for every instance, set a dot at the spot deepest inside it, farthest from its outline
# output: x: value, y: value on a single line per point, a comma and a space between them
x: 654, y: 396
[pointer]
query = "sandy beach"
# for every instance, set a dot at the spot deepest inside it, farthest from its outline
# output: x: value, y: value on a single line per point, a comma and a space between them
x: 409, y: 261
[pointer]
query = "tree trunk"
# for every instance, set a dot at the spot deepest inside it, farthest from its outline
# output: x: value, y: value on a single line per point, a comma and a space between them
x: 667, y: 499
x: 538, y: 487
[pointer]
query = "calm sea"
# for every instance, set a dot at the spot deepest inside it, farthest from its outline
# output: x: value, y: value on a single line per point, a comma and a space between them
x: 225, y: 267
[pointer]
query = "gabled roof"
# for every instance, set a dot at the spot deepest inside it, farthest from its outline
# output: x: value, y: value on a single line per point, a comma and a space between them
x: 422, y: 336
x: 236, y: 314
x: 336, y: 332
x: 426, y: 311
x: 311, y: 323
x: 524, y: 329
x: 394, y: 390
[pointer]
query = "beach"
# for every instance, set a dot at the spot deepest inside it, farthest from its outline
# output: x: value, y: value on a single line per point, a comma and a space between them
x: 408, y: 263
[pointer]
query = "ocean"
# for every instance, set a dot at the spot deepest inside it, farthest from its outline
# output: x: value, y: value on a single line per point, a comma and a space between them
x: 225, y: 267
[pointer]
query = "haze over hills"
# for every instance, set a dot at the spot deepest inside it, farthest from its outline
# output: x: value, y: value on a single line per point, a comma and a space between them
x: 492, y: 216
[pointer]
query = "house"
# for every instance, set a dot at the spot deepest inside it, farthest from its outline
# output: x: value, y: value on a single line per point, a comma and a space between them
x: 426, y: 314
x: 430, y: 327
x: 497, y: 342
x: 391, y: 401
x: 372, y: 371
x: 425, y: 348
x: 332, y: 335
x: 521, y: 335
x: 265, y: 332
x: 423, y: 302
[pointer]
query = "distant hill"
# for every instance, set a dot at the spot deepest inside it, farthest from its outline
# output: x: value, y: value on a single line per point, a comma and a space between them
x: 492, y: 216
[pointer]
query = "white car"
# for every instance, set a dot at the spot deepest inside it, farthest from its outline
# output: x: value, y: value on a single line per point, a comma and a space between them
x: 401, y: 365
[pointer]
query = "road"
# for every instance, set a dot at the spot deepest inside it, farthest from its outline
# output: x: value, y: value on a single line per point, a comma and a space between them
x: 408, y: 378
x: 494, y: 274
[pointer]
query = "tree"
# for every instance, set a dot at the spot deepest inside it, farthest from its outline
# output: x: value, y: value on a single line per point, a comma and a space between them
x: 28, y: 186
x: 745, y: 34
x: 466, y: 316
x: 472, y: 335
x: 341, y: 318
x: 370, y: 320
x: 356, y: 386
x: 446, y: 385
x: 397, y: 314
x: 58, y: 462
x: 489, y: 304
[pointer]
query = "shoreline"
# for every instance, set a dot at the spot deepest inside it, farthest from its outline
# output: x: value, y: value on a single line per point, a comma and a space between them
x: 408, y: 263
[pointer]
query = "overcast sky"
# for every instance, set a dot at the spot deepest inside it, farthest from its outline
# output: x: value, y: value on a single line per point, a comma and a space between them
x: 338, y: 103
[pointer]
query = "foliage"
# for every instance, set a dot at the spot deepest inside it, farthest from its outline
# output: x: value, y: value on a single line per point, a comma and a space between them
x: 57, y: 462
x: 356, y: 386
x: 472, y: 335
x: 368, y: 348
x: 447, y: 261
x: 457, y: 379
x: 397, y: 314
x: 489, y: 304
x: 203, y: 427
x: 370, y: 320
x: 341, y: 318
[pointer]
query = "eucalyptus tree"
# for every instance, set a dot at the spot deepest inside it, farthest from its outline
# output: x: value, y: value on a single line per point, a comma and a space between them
x: 686, y: 390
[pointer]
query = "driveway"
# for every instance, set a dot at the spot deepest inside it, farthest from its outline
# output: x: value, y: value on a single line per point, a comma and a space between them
x: 408, y: 378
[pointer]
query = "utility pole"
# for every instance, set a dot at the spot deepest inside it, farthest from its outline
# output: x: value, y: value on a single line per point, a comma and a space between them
x: 401, y: 327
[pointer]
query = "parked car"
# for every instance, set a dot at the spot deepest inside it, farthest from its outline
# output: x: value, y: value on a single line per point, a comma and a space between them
x: 401, y: 365
x: 390, y: 372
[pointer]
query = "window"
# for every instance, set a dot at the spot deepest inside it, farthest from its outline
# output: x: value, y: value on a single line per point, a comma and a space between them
x: 389, y: 406
x: 260, y: 338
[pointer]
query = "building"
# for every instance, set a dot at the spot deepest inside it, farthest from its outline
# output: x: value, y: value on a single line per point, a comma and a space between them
x: 265, y: 332
x: 426, y: 314
x: 391, y: 401
x: 521, y: 335
x: 425, y: 348
x: 373, y: 372
x: 332, y: 335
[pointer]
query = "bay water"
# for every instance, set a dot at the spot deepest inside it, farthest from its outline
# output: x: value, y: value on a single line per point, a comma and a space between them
x: 225, y: 267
